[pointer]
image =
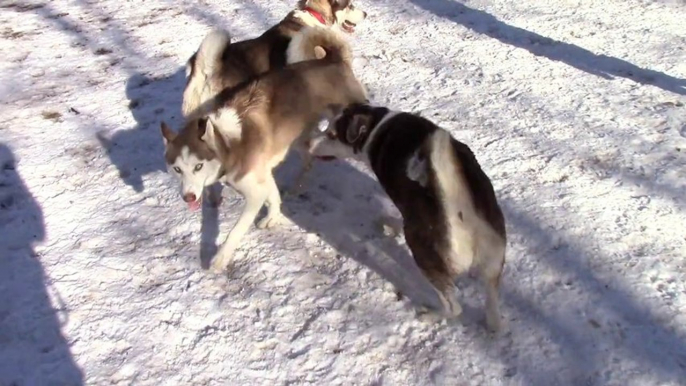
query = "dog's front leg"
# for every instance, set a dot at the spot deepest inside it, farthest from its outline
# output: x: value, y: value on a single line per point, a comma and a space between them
x: 274, y: 216
x: 255, y: 195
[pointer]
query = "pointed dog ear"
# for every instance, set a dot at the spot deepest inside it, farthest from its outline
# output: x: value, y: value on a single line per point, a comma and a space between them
x: 208, y: 131
x: 202, y: 128
x: 167, y: 134
x: 356, y: 129
x: 337, y: 5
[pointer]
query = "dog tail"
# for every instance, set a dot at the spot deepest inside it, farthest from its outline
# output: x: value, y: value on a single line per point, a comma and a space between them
x: 456, y: 199
x: 202, y: 65
x: 313, y: 43
x: 469, y: 198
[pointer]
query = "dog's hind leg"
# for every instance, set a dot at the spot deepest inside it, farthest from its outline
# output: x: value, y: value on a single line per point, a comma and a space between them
x: 436, y: 270
x: 492, y: 263
x: 446, y: 291
x: 274, y: 216
x: 255, y: 194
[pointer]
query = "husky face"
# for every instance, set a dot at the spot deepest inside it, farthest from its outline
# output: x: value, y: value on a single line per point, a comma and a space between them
x: 194, y: 174
x: 191, y: 160
x: 340, y: 13
x: 347, y: 16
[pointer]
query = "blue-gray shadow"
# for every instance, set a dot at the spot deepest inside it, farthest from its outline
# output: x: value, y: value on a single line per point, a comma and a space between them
x: 139, y: 151
x: 647, y: 339
x: 33, y: 350
x: 604, y: 66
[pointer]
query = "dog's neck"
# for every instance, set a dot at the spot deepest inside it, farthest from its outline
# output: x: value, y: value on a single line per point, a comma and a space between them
x: 309, y: 17
x: 315, y: 14
x: 377, y: 128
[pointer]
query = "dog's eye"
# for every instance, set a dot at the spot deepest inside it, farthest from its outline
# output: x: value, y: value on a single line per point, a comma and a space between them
x: 177, y: 169
x: 198, y: 167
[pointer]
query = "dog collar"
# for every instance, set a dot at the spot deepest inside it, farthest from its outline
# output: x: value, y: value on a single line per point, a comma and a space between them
x: 315, y: 14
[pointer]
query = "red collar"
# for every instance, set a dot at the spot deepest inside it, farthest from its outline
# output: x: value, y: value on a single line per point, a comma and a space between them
x: 316, y: 15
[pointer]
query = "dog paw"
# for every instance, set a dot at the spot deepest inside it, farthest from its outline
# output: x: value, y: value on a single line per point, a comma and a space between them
x: 429, y: 316
x: 494, y: 324
x: 271, y: 221
x: 454, y: 311
x: 220, y: 262
x: 390, y: 226
x: 451, y: 307
x: 218, y: 267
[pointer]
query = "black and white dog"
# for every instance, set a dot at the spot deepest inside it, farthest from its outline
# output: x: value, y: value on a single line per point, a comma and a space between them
x: 452, y: 220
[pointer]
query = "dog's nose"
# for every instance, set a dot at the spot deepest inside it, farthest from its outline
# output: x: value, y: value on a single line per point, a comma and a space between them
x: 365, y: 14
x: 189, y: 197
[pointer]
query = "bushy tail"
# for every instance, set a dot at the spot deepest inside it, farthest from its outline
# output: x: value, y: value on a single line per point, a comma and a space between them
x: 202, y: 65
x: 313, y: 43
x: 456, y: 198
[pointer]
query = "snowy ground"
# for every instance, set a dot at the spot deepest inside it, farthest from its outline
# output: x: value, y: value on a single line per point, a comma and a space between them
x: 576, y: 109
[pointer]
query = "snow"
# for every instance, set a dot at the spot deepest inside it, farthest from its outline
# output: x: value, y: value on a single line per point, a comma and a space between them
x: 576, y: 110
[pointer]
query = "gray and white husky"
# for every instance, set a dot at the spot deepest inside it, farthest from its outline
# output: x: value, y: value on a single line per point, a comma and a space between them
x: 241, y: 134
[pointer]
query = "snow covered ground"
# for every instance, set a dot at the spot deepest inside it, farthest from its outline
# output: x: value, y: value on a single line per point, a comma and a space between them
x: 576, y: 109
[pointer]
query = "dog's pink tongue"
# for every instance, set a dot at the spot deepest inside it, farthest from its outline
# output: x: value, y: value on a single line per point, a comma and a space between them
x: 194, y: 205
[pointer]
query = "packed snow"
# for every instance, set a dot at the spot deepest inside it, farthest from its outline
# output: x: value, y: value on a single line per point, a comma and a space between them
x: 575, y: 109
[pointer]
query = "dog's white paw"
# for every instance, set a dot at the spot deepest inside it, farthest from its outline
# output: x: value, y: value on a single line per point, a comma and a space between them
x: 451, y: 307
x: 429, y: 316
x: 221, y: 261
x: 494, y: 323
x: 271, y: 220
x: 390, y: 226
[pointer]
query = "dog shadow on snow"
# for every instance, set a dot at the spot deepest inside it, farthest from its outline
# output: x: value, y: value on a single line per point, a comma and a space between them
x: 139, y: 151
x: 343, y: 206
x: 33, y: 350
x: 609, y: 313
x: 604, y: 66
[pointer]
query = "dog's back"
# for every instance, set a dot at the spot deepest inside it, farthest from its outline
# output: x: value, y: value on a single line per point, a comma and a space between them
x: 293, y: 99
x: 249, y: 58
